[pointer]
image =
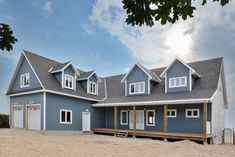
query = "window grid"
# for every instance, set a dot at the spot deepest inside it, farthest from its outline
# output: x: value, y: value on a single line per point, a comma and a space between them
x: 69, y: 81
x: 192, y: 113
x: 178, y: 82
x: 150, y: 117
x: 137, y: 88
x: 171, y: 113
x: 65, y: 116
x: 93, y: 89
x: 24, y: 80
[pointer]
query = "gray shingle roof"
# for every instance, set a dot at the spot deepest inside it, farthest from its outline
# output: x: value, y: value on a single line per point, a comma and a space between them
x: 204, y: 87
x: 42, y: 65
x: 151, y: 73
x: 58, y: 67
x: 85, y: 75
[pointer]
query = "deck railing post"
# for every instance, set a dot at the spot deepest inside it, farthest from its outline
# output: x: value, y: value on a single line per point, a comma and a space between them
x: 115, y: 117
x: 165, y: 119
x: 205, y: 121
x: 134, y: 120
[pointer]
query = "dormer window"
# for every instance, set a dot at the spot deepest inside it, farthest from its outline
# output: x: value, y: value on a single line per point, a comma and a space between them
x: 69, y: 81
x: 93, y: 88
x: 178, y: 82
x: 24, y: 80
x: 137, y: 88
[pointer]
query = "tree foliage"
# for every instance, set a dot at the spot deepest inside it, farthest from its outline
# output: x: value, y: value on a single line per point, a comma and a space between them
x: 140, y: 12
x: 6, y: 37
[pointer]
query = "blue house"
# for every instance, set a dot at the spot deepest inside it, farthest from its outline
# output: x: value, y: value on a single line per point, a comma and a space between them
x: 180, y: 101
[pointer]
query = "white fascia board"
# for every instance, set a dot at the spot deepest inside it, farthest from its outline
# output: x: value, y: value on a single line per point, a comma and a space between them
x: 26, y: 93
x: 97, y: 77
x: 145, y: 103
x: 185, y: 64
x: 33, y: 70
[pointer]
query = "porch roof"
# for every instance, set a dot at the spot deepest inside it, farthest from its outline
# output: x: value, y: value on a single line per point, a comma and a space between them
x: 145, y: 103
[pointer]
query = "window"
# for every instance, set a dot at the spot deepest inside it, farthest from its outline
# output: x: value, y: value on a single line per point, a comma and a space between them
x: 192, y: 113
x: 136, y: 88
x: 65, y: 116
x: 69, y: 81
x: 24, y: 80
x: 93, y: 88
x: 178, y: 82
x: 150, y: 118
x: 171, y: 113
x: 124, y: 117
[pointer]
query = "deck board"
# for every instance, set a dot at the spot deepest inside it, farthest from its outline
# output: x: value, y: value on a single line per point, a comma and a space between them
x: 189, y: 136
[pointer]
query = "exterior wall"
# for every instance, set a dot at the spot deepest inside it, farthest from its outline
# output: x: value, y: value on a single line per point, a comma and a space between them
x: 24, y: 100
x: 34, y: 83
x: 56, y: 102
x: 178, y: 70
x: 180, y: 124
x: 84, y: 84
x: 137, y: 75
x: 58, y: 76
x: 69, y: 71
x: 218, y: 114
x: 93, y: 78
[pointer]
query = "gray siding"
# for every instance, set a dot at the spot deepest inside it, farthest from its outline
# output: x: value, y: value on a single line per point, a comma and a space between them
x: 93, y: 78
x: 58, y: 76
x: 34, y: 83
x: 137, y: 75
x: 178, y: 70
x: 84, y: 84
x: 25, y: 100
x: 69, y: 70
x: 57, y: 102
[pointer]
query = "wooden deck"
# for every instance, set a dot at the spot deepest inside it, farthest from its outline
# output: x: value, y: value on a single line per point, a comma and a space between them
x: 188, y: 136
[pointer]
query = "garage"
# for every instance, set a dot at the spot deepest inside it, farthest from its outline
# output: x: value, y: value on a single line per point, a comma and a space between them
x: 18, y: 116
x: 34, y: 117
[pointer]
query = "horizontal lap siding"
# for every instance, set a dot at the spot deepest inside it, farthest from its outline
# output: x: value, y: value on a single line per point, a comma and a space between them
x: 56, y: 102
x: 25, y: 100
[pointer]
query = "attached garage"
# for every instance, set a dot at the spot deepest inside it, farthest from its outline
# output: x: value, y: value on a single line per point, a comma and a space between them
x: 18, y: 116
x: 34, y: 117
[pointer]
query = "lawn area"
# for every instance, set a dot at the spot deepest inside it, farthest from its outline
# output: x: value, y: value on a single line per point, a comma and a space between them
x: 25, y: 143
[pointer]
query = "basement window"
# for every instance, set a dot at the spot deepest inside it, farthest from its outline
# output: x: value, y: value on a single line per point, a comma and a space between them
x: 65, y: 116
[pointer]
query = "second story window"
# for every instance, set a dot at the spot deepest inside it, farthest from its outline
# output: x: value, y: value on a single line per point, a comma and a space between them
x: 24, y: 80
x: 137, y: 88
x: 178, y: 82
x: 93, y: 88
x: 69, y: 81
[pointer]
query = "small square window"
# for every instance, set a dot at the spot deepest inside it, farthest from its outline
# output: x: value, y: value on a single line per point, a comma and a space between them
x: 192, y: 113
x: 65, y: 116
x: 171, y: 113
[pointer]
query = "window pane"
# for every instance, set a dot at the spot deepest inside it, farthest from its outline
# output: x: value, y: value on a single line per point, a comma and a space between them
x: 141, y: 87
x: 195, y: 113
x: 172, y: 82
x: 189, y: 113
x: 183, y: 81
x: 71, y: 84
x: 137, y: 89
x: 62, y: 116
x: 124, y: 117
x: 172, y: 113
x: 68, y: 117
x: 177, y: 82
x: 168, y: 113
x: 150, y: 117
x: 67, y: 83
x: 132, y: 89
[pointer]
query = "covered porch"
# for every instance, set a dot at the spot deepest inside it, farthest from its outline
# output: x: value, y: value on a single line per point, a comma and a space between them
x: 165, y: 126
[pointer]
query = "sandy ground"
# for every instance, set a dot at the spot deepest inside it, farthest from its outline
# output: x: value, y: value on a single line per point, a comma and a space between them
x: 25, y: 143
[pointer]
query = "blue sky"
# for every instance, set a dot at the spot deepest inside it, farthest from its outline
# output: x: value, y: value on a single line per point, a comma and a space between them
x: 93, y: 35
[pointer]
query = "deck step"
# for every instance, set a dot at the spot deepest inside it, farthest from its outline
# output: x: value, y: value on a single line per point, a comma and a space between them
x: 122, y: 134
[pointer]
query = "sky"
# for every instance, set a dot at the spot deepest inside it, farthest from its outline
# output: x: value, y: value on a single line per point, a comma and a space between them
x: 94, y: 36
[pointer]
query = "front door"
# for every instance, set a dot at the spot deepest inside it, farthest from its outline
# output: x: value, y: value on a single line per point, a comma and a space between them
x: 86, y: 121
x: 139, y: 120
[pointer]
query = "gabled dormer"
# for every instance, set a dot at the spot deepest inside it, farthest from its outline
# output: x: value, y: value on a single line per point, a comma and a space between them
x: 89, y: 81
x: 139, y: 80
x: 179, y: 77
x: 66, y: 74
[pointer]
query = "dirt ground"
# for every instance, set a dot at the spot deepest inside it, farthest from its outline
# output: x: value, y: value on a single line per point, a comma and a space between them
x: 25, y: 143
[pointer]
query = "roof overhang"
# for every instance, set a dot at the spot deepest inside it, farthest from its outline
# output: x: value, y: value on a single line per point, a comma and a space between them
x: 145, y: 103
x: 151, y: 78
x: 67, y: 65
x: 193, y: 72
x: 86, y: 78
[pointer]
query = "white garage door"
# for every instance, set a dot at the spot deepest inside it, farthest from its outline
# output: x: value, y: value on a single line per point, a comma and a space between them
x: 18, y: 117
x: 34, y: 117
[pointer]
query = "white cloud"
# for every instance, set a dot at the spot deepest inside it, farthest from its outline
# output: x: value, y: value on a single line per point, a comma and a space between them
x: 47, y: 8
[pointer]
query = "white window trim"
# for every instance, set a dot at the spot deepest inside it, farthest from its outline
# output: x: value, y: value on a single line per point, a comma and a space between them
x: 147, y: 112
x: 21, y: 81
x: 94, y: 93
x: 171, y: 116
x: 192, y: 110
x: 174, y: 78
x: 122, y: 111
x: 134, y: 90
x: 71, y: 116
x: 67, y: 75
